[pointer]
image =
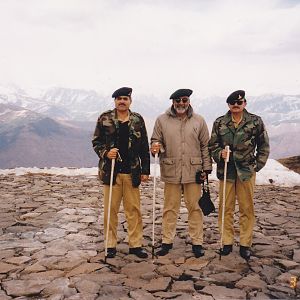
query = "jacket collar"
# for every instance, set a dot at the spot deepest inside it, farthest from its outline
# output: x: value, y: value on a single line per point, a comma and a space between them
x: 228, y: 119
x: 115, y: 117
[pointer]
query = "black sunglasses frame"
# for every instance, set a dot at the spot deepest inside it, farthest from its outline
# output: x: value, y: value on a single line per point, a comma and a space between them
x: 184, y: 100
x: 238, y: 102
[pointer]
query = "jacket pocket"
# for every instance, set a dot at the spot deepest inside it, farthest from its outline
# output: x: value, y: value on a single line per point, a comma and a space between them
x: 195, y: 165
x: 196, y: 160
x: 168, y: 167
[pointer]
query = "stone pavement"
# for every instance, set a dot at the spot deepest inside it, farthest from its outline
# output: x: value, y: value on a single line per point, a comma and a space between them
x: 51, y: 247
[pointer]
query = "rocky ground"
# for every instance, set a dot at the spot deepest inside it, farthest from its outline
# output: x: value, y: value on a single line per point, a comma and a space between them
x: 51, y: 247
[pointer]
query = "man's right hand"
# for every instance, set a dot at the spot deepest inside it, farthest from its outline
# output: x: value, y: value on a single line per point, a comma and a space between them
x: 112, y: 153
x: 155, y: 148
x: 224, y: 153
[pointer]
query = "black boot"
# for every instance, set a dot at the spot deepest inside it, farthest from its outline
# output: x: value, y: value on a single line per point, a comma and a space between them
x: 139, y: 252
x: 198, y: 250
x: 164, y: 249
x: 111, y: 252
x: 226, y: 250
x: 245, y: 252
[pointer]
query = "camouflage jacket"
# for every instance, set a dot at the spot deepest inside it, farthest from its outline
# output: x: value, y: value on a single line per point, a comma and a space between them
x: 249, y: 145
x: 106, y: 137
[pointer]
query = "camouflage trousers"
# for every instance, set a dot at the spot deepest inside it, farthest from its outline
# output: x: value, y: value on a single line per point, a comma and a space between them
x: 123, y: 189
x: 172, y: 202
x: 242, y: 191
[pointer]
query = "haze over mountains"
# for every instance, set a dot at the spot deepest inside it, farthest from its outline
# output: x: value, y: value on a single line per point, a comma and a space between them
x: 54, y: 127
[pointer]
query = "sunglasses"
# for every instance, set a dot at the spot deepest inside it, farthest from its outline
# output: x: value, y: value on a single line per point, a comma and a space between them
x: 183, y: 100
x: 238, y: 102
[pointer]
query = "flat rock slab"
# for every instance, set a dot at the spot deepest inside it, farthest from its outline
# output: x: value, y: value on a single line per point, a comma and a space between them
x: 221, y: 292
x: 18, y: 288
x: 252, y: 281
x: 158, y: 284
x: 52, y: 246
x: 136, y: 270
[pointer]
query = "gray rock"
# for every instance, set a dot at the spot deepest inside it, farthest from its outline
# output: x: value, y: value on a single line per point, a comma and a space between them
x: 183, y: 286
x: 87, y: 286
x: 225, y: 278
x: 59, y: 286
x: 167, y: 295
x: 17, y: 288
x: 141, y: 295
x: 81, y: 296
x: 115, y: 291
x: 287, y: 264
x: 251, y: 282
x: 270, y: 273
x: 296, y: 255
x: 66, y: 214
x: 170, y: 271
x: 135, y: 270
x: 158, y: 284
x: 220, y: 292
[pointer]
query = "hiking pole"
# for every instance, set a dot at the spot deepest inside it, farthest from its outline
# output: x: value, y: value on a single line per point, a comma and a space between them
x: 109, y: 205
x: 153, y: 205
x: 224, y: 196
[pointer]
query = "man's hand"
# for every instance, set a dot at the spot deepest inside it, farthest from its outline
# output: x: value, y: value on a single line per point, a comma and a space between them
x: 112, y: 153
x: 155, y: 148
x: 224, y: 153
x: 144, y: 178
x: 203, y: 176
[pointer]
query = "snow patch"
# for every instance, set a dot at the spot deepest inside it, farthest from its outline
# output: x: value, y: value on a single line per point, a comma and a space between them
x: 273, y: 173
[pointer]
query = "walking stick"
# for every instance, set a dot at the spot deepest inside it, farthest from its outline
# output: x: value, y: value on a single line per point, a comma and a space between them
x: 109, y: 205
x: 224, y: 197
x: 153, y: 205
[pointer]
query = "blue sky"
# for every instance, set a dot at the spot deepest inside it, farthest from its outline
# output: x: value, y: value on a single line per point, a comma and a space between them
x: 212, y: 47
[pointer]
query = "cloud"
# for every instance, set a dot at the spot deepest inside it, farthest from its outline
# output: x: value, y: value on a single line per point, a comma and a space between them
x: 212, y: 46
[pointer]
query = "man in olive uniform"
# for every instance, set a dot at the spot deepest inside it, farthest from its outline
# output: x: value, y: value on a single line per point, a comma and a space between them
x: 248, y: 140
x: 121, y: 134
x: 180, y: 136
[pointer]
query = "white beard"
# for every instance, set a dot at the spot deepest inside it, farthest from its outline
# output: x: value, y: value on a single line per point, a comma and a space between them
x: 181, y: 109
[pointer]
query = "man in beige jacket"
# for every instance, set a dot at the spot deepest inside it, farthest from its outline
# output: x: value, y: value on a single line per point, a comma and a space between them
x: 181, y: 138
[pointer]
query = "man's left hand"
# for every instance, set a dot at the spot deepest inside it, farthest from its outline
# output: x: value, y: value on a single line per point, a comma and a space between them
x: 203, y: 176
x: 144, y: 178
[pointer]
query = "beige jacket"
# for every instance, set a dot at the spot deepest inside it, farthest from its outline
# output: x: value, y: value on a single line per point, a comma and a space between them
x: 184, y: 146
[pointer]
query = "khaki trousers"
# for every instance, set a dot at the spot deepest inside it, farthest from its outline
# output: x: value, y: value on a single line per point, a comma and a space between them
x: 123, y: 189
x: 243, y: 191
x: 191, y: 193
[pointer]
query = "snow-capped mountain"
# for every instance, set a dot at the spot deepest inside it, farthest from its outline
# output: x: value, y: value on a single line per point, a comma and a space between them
x: 84, y: 105
x: 281, y: 113
x: 60, y: 103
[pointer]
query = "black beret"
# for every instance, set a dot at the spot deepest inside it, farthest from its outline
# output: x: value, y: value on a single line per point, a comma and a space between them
x: 123, y: 91
x: 181, y: 93
x: 237, y: 95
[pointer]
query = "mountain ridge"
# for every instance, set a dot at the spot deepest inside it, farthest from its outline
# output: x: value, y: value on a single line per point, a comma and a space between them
x: 78, y: 109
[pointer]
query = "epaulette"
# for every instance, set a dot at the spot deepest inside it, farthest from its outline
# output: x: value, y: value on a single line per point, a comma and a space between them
x: 219, y: 118
x: 108, y: 112
x: 136, y: 114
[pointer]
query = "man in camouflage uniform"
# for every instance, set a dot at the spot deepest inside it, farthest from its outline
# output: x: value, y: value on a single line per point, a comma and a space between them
x: 247, y: 138
x: 121, y: 134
